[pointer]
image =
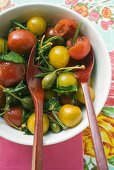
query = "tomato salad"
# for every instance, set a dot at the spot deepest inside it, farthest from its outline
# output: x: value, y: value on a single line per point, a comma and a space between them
x: 59, y: 48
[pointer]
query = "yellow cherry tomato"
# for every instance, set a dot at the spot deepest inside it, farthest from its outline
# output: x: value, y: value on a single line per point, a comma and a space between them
x: 91, y: 81
x: 66, y: 79
x: 45, y: 123
x: 2, y: 43
x: 80, y: 95
x: 70, y: 115
x: 31, y: 123
x: 59, y: 56
x: 37, y: 25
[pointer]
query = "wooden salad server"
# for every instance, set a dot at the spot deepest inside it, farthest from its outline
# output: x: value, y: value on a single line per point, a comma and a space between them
x: 37, y: 93
x: 83, y: 75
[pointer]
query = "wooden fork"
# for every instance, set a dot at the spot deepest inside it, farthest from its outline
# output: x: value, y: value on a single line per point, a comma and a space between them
x: 34, y: 85
x: 83, y: 76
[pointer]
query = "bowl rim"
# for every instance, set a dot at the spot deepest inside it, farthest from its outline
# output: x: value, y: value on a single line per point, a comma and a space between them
x: 107, y: 58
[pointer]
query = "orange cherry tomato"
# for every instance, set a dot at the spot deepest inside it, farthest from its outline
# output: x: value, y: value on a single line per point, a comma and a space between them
x: 65, y: 28
x: 14, y: 116
x: 21, y: 41
x: 80, y: 49
x: 11, y: 73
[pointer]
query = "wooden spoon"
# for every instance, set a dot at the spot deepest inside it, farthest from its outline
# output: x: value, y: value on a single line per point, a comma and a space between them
x: 83, y: 76
x: 34, y: 85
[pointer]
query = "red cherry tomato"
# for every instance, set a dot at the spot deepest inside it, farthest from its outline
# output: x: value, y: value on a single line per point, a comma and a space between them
x: 11, y: 73
x: 65, y: 28
x: 14, y: 116
x: 80, y: 49
x: 21, y: 41
x: 65, y: 99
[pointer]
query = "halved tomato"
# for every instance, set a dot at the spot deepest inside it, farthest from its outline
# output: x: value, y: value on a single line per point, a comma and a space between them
x: 80, y: 49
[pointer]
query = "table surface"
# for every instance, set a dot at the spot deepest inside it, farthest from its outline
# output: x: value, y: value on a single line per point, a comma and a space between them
x: 57, y: 157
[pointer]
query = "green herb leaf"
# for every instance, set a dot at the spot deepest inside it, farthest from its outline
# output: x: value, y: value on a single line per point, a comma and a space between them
x: 65, y: 89
x: 111, y: 161
x: 76, y: 33
x: 26, y: 115
x: 108, y: 111
x: 94, y: 168
x: 41, y: 75
x: 25, y: 129
x: 19, y: 25
x: 86, y: 167
x: 52, y: 105
x: 44, y: 69
x: 58, y: 120
x: 12, y: 57
x: 54, y: 38
x: 20, y: 89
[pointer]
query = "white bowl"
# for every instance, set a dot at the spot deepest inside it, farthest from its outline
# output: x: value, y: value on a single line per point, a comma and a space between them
x: 52, y: 13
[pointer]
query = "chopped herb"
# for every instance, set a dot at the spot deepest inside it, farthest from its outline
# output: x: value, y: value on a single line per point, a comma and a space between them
x: 65, y: 89
x: 76, y: 33
x: 19, y: 25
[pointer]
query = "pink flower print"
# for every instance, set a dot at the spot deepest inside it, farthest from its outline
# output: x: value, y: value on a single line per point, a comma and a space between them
x: 71, y: 2
x: 94, y: 15
x: 111, y: 22
x: 111, y: 54
x: 104, y: 25
x: 4, y: 4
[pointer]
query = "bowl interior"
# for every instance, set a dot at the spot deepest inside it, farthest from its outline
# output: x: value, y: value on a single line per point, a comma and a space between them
x: 102, y: 76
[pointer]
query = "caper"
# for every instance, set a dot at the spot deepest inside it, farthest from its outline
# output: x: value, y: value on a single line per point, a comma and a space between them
x: 49, y: 80
x: 27, y: 103
x: 55, y: 128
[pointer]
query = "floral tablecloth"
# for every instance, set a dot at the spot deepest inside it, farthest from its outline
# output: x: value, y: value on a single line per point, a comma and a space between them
x: 101, y: 14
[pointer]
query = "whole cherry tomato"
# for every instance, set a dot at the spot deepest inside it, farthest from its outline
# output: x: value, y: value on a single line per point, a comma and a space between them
x: 80, y: 95
x: 11, y: 73
x: 70, y: 115
x: 21, y: 41
x: 37, y: 25
x: 65, y: 28
x: 31, y: 123
x: 14, y: 116
x: 59, y: 56
x: 66, y: 79
x: 65, y: 99
x: 80, y: 49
